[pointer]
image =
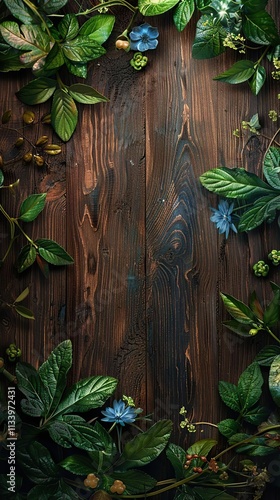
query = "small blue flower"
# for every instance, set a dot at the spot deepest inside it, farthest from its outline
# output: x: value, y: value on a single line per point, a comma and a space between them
x: 223, y: 217
x: 120, y: 413
x: 143, y: 37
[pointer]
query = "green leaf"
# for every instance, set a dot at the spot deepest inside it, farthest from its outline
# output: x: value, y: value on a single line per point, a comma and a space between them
x: 57, y: 490
x: 26, y: 258
x: 177, y: 456
x: 53, y: 253
x: 237, y: 327
x: 54, y: 59
x: 209, y: 38
x: 202, y: 447
x: 264, y: 209
x: 51, y: 6
x: 272, y: 312
x: 64, y: 114
x: 237, y: 309
x: 274, y: 380
x: 1, y: 177
x: 256, y: 447
x: 29, y: 383
x: 22, y: 295
x: 53, y: 373
x: 24, y: 311
x: 32, y: 206
x: 136, y: 481
x: 229, y: 395
x: 98, y: 27
x: 255, y: 305
x: 150, y: 8
x: 256, y: 415
x: 85, y: 94
x: 146, y: 446
x: 72, y: 430
x: 202, y: 4
x: 183, y: 13
x: 271, y: 167
x: 43, y: 266
x: 211, y: 494
x: 257, y: 81
x: 251, y: 6
x: 29, y: 38
x: 82, y: 49
x: 37, y: 91
x: 77, y: 69
x: 235, y: 183
x: 20, y: 11
x: 38, y: 464
x: 260, y: 28
x: 228, y: 427
x: 87, y: 394
x: 267, y: 355
x: 77, y: 464
x: 249, y: 387
x: 68, y: 26
x: 241, y: 71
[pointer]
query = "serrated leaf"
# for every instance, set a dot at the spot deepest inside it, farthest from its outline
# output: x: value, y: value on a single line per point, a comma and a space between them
x: 228, y: 427
x: 229, y: 395
x: 24, y: 311
x: 32, y: 206
x: 249, y: 387
x: 22, y: 295
x: 272, y: 312
x: 77, y: 464
x: 98, y: 27
x: 237, y: 309
x: 235, y: 183
x: 239, y: 328
x: 29, y: 383
x: 257, y: 81
x: 82, y: 49
x: 271, y: 167
x: 183, y: 13
x: 147, y: 446
x: 72, y: 430
x: 209, y: 38
x: 68, y: 27
x: 37, y: 463
x: 267, y: 355
x: 53, y: 253
x: 85, y: 94
x: 150, y: 8
x: 37, y: 91
x: 260, y: 28
x: 53, y: 374
x: 64, y: 114
x: 240, y: 72
x: 87, y: 394
x: 256, y: 415
x: 274, y: 380
x: 177, y: 457
x: 264, y: 209
x: 26, y: 258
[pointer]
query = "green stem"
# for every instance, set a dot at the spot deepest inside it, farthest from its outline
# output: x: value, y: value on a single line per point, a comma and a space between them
x: 24, y: 234
x: 272, y: 334
x: 12, y: 232
x: 110, y: 3
x: 34, y: 9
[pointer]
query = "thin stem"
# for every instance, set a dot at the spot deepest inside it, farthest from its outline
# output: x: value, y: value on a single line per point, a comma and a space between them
x: 273, y: 138
x: 111, y: 3
x: 24, y: 234
x: 272, y: 334
x: 34, y: 9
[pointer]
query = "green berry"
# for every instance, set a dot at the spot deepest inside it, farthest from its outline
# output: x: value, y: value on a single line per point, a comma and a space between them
x: 261, y: 268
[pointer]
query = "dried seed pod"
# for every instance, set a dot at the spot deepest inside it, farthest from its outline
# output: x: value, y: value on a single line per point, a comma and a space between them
x: 52, y: 149
x: 28, y: 117
x: 28, y: 157
x: 46, y: 118
x: 42, y: 140
x: 6, y: 116
x: 19, y: 142
x: 39, y: 160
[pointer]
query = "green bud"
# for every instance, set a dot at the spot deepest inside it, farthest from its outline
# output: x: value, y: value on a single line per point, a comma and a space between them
x: 253, y: 331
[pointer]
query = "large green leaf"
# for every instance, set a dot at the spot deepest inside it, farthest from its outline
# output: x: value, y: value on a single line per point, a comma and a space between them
x: 10, y: 61
x: 260, y: 28
x: 72, y: 430
x: 235, y: 183
x: 87, y: 394
x: 237, y: 309
x: 32, y: 206
x: 271, y: 167
x: 68, y: 26
x: 51, y: 6
x: 98, y: 27
x: 264, y: 209
x: 53, y: 253
x: 241, y: 71
x: 28, y: 38
x: 229, y: 395
x: 136, y: 481
x: 38, y: 464
x: 267, y: 355
x: 274, y: 380
x: 152, y: 8
x: 237, y: 327
x: 26, y: 258
x: 64, y: 114
x: 251, y: 6
x: 29, y: 383
x: 256, y: 415
x: 20, y: 11
x: 37, y: 91
x: 177, y: 456
x: 146, y: 446
x: 82, y: 49
x: 77, y: 69
x: 209, y: 38
x: 53, y: 373
x: 202, y: 447
x: 77, y: 464
x: 255, y: 447
x: 257, y: 81
x: 229, y: 427
x: 183, y: 13
x: 85, y: 94
x: 249, y: 387
x: 57, y: 490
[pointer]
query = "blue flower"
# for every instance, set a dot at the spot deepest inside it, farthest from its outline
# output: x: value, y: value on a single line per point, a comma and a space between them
x: 223, y: 217
x: 120, y: 413
x: 143, y: 37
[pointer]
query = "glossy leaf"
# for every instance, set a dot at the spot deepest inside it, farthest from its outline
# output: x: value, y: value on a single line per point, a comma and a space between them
x: 240, y: 72
x: 229, y: 395
x: 147, y: 446
x: 177, y: 457
x: 37, y: 91
x: 38, y: 464
x: 209, y: 38
x: 28, y: 38
x: 32, y: 206
x: 256, y: 447
x: 202, y: 447
x: 150, y: 8
x: 251, y: 6
x: 136, y: 481
x: 228, y: 427
x: 257, y: 415
x: 85, y: 94
x: 264, y: 209
x: 53, y: 253
x: 77, y: 69
x: 260, y: 28
x: 237, y: 327
x: 98, y: 27
x: 68, y: 27
x: 258, y: 79
x: 72, y: 430
x: 20, y: 11
x: 53, y: 374
x: 29, y: 383
x: 274, y: 380
x: 82, y: 49
x: 64, y: 114
x: 51, y: 6
x: 249, y: 387
x: 24, y: 311
x: 271, y: 167
x: 267, y: 355
x: 77, y: 464
x: 54, y: 59
x: 183, y: 13
x: 26, y: 258
x: 237, y: 309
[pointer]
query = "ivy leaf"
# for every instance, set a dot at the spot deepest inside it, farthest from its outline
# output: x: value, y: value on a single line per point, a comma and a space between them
x: 86, y: 94
x: 51, y: 6
x: 87, y: 394
x: 235, y: 183
x: 264, y: 209
x: 32, y: 206
x: 211, y: 494
x: 26, y: 258
x: 53, y: 374
x: 237, y: 327
x: 68, y: 26
x: 267, y: 355
x: 228, y: 427
x: 72, y: 430
x: 20, y: 11
x: 202, y: 447
x: 274, y: 380
x: 64, y: 114
x: 260, y: 28
x: 82, y: 49
x: 53, y: 253
x: 229, y: 395
x: 237, y: 309
x: 147, y: 446
x: 150, y: 8
x: 98, y: 27
x: 272, y: 312
x: 177, y: 457
x: 24, y: 311
x: 256, y: 415
x: 183, y: 13
x: 77, y: 464
x: 271, y: 167
x: 257, y: 81
x: 38, y: 464
x: 240, y: 72
x: 209, y: 38
x: 249, y: 387
x: 37, y: 91
x: 29, y: 383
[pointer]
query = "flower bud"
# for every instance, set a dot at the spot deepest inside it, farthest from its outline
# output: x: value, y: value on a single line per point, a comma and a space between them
x: 42, y: 140
x: 28, y: 117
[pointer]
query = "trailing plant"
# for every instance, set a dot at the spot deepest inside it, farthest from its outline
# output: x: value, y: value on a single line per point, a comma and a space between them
x: 49, y: 39
x: 87, y: 457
